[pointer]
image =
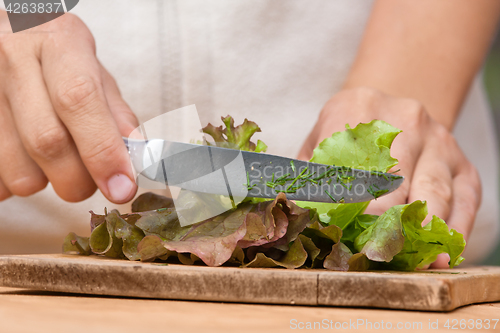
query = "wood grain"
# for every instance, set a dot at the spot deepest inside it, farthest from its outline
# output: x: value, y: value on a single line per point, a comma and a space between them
x: 26, y: 311
x: 440, y: 290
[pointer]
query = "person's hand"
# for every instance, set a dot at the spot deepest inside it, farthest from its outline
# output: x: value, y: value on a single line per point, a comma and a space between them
x: 434, y: 167
x: 61, y: 115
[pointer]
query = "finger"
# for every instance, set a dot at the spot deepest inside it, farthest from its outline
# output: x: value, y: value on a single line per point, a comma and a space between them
x: 21, y: 175
x: 442, y: 261
x: 4, y: 192
x: 466, y: 200
x: 75, y: 86
x: 306, y: 152
x: 123, y: 115
x: 44, y: 136
x: 432, y: 182
x: 312, y: 141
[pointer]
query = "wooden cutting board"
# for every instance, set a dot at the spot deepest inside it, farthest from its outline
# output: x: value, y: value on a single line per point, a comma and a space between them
x: 437, y: 290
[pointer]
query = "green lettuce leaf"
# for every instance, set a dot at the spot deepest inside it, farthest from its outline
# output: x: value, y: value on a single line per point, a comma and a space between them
x: 359, y: 224
x: 367, y: 146
x: 398, y: 238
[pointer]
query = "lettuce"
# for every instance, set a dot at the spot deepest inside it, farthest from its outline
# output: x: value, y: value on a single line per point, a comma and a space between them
x: 398, y: 238
x: 281, y: 233
x: 235, y: 137
x: 366, y: 147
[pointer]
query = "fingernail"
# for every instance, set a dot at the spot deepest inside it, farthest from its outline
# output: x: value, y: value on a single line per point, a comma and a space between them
x: 120, y: 187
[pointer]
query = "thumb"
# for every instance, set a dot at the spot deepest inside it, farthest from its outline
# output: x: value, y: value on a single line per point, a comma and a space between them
x: 305, y: 153
x: 123, y: 115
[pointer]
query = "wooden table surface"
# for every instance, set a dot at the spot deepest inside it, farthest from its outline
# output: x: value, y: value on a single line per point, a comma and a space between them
x: 39, y: 311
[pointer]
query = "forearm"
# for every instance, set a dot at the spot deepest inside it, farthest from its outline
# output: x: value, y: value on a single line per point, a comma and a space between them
x: 427, y: 50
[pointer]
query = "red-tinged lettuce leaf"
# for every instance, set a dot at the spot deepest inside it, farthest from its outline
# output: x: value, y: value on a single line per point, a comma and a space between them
x: 151, y: 201
x: 295, y: 257
x: 323, y: 238
x: 116, y: 238
x: 338, y: 259
x: 151, y: 247
x: 256, y: 232
x: 331, y: 232
x: 76, y: 244
x: 235, y: 137
x: 103, y: 240
x: 162, y: 222
x: 312, y: 250
x: 267, y: 222
x: 298, y: 219
x: 129, y: 234
x: 188, y: 258
x: 96, y: 220
x: 215, y: 240
x: 359, y: 262
x: 283, y: 221
x: 342, y: 259
x: 238, y: 256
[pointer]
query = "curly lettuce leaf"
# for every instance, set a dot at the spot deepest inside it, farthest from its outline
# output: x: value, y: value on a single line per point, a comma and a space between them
x: 338, y: 259
x: 367, y: 146
x: 76, y: 244
x: 342, y: 259
x: 116, y: 238
x: 312, y: 250
x: 398, y: 238
x: 294, y: 257
x: 357, y: 226
x: 151, y: 201
x: 323, y: 239
x: 235, y: 137
x: 157, y: 234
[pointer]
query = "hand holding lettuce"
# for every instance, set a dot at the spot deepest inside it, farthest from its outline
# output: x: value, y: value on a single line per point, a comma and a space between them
x: 281, y: 233
x: 434, y: 166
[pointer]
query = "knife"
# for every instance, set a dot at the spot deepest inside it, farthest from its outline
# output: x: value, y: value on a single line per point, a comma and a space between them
x: 240, y: 174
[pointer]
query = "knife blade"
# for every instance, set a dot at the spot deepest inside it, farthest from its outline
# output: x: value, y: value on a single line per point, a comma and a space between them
x: 216, y: 170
